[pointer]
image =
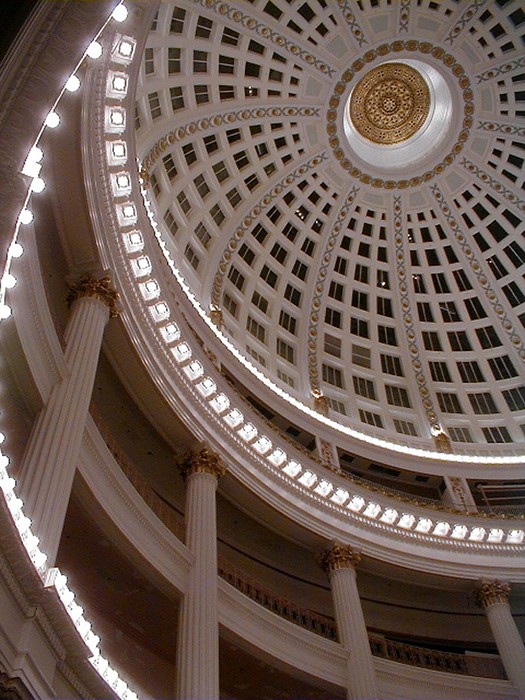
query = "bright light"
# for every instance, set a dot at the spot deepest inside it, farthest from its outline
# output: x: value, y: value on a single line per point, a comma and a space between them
x: 120, y: 13
x: 406, y: 521
x: 126, y: 49
x: 2, y: 438
x: 356, y: 503
x: 123, y: 181
x: 119, y: 83
x: 5, y: 311
x: 38, y: 184
x: 116, y: 117
x: 26, y: 216
x: 94, y: 50
x: 73, y: 83
x: 9, y: 281
x: 36, y: 154
x: 52, y: 120
x: 16, y: 250
x: 292, y: 468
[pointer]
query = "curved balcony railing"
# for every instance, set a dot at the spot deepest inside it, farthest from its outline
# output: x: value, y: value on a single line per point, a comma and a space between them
x: 515, y: 511
x: 464, y: 664
x: 319, y: 624
x: 449, y: 662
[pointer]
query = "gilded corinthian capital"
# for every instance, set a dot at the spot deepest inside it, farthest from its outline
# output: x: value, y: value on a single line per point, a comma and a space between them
x: 340, y: 556
x: 492, y: 592
x: 101, y: 289
x: 203, y: 461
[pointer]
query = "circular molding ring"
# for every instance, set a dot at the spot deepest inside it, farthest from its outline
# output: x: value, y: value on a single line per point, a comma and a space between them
x: 336, y: 140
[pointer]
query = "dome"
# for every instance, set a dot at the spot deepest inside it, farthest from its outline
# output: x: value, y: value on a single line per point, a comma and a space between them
x: 381, y: 273
x: 262, y: 323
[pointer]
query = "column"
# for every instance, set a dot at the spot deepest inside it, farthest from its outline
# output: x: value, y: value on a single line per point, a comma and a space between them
x: 50, y: 460
x: 493, y: 597
x: 198, y: 639
x: 340, y: 562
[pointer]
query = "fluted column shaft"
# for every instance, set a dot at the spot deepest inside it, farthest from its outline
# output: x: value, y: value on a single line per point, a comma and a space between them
x: 493, y: 597
x: 340, y: 562
x: 198, y: 640
x: 51, y: 456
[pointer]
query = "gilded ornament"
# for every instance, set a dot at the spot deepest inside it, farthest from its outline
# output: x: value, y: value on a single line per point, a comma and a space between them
x: 216, y: 316
x: 491, y: 592
x: 390, y: 103
x: 101, y: 289
x: 202, y: 462
x: 442, y: 442
x: 340, y: 556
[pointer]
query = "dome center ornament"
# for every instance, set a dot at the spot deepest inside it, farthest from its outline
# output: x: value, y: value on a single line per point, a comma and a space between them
x: 390, y: 103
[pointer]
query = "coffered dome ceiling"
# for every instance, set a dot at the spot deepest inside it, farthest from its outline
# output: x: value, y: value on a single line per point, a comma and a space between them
x: 341, y: 186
